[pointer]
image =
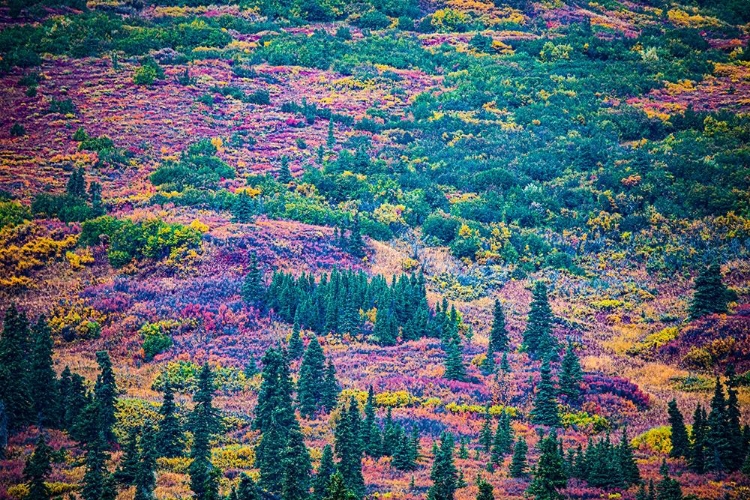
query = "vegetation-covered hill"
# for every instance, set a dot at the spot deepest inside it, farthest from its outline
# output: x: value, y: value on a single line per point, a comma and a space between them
x: 315, y: 249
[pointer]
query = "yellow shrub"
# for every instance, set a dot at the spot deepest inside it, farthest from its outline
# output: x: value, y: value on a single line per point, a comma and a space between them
x: 178, y: 465
x: 657, y: 439
x: 235, y: 456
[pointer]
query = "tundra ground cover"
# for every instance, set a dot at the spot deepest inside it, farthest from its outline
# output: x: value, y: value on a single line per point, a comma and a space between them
x: 599, y: 148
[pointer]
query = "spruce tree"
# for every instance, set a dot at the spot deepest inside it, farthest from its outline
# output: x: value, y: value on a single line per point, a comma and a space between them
x: 403, y: 456
x: 42, y: 377
x: 246, y: 489
x: 625, y: 461
x: 699, y: 437
x: 485, y: 435
x: 444, y: 474
x: 679, y: 435
x: 454, y: 363
x: 326, y: 469
x: 270, y: 453
x: 253, y: 288
x: 145, y: 478
x: 371, y: 439
x: 518, y: 465
x: 337, y: 489
x: 275, y: 392
x: 14, y: 387
x: 668, y: 488
x: 549, y: 474
x: 105, y: 395
x: 545, y: 410
x: 169, y: 440
x: 285, y: 175
x: 356, y: 245
x: 129, y: 463
x: 76, y: 186
x: 98, y: 483
x: 503, y: 440
x: 37, y: 469
x: 717, y: 438
x: 348, y: 448
x: 331, y: 388
x: 537, y: 338
x: 488, y: 364
x: 486, y: 490
x: 736, y: 449
x: 204, y: 422
x: 498, y: 333
x: 710, y: 294
x: 296, y: 347
x: 331, y: 140
x: 295, y: 482
x: 571, y: 375
x: 310, y: 386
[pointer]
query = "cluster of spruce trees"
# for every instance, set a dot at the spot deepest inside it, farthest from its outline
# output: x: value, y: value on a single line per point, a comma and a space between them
x: 281, y: 455
x: 336, y: 303
x: 717, y: 441
x: 604, y: 464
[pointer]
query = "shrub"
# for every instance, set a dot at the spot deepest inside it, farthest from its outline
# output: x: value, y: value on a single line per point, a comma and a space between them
x: 373, y: 20
x: 17, y: 130
x: 63, y: 107
x: 148, y: 72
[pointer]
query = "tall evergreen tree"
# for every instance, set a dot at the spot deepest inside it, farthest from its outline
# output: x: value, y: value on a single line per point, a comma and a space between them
x: 679, y: 435
x: 545, y: 410
x: 295, y: 482
x: 76, y: 185
x: 519, y: 467
x: 488, y: 364
x: 337, y: 489
x: 348, y: 448
x: 719, y: 446
x: 356, y: 245
x: 145, y: 478
x: 105, y: 395
x: 549, y: 474
x: 275, y: 392
x: 571, y: 375
x: 710, y: 295
x: 14, y: 386
x: 371, y: 439
x: 169, y: 440
x: 626, y: 461
x: 737, y: 445
x: 331, y: 388
x: 246, y: 489
x: 310, y: 387
x: 130, y: 461
x: 326, y: 469
x: 37, y: 469
x: 454, y: 363
x: 668, y: 488
x: 485, y: 435
x: 296, y: 347
x: 503, y: 439
x: 498, y: 333
x: 270, y: 452
x: 486, y: 490
x: 699, y: 436
x: 42, y: 379
x: 98, y: 483
x: 253, y: 288
x: 204, y: 422
x: 444, y: 474
x: 537, y: 338
x: 285, y: 175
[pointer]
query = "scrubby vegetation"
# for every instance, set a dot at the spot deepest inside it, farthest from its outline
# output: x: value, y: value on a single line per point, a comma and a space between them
x: 316, y: 249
